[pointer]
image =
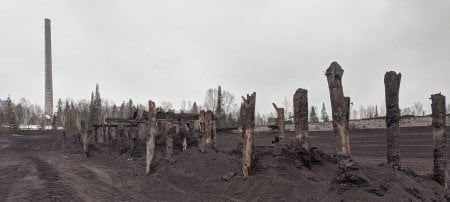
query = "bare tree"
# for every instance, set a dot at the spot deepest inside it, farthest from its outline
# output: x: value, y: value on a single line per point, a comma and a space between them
x: 210, y: 99
x: 166, y: 106
x: 287, y: 104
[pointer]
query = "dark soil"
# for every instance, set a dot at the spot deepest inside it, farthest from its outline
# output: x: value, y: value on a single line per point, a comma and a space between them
x: 34, y: 167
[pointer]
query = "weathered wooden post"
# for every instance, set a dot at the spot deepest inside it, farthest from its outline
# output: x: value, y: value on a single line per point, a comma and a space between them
x: 201, y: 135
x: 281, y: 124
x: 85, y: 138
x: 439, y: 139
x: 151, y: 135
x: 64, y: 140
x: 338, y: 107
x: 392, y: 88
x: 168, y: 133
x: 301, y: 117
x: 248, y: 120
x: 214, y: 133
x: 347, y: 112
x: 183, y: 133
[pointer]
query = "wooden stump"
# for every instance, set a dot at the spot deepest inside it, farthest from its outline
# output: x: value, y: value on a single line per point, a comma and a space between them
x: 85, y: 138
x: 280, y: 122
x: 338, y: 107
x: 64, y: 140
x: 183, y: 134
x: 392, y: 87
x: 168, y: 134
x: 439, y: 139
x: 150, y: 146
x: 301, y: 117
x: 347, y: 112
x: 248, y: 120
x: 201, y: 135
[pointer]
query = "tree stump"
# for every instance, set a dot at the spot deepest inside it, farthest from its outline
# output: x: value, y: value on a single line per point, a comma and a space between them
x: 392, y: 87
x: 301, y: 117
x: 248, y: 120
x: 85, y: 138
x: 338, y: 107
x: 150, y: 147
x: 439, y: 139
x: 280, y: 122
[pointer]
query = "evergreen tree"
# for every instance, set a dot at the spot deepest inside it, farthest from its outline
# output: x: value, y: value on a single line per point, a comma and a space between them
x: 92, y: 111
x: 67, y: 116
x: 114, y: 111
x: 130, y: 107
x: 59, y: 113
x: 194, y: 109
x: 10, y: 116
x: 219, y: 112
x: 98, y: 106
x: 323, y: 113
x: 376, y: 111
x: 313, y: 118
x: 122, y: 110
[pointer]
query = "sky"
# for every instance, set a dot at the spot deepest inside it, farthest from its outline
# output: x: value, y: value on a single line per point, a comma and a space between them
x: 176, y: 50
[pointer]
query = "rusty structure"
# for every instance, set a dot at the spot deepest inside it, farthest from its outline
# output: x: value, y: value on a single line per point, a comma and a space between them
x: 248, y: 129
x: 439, y: 139
x: 392, y: 87
x: 300, y: 101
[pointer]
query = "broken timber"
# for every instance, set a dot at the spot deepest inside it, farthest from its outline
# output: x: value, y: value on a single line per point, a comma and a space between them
x: 248, y: 120
x: 281, y: 123
x: 300, y: 101
x: 439, y: 139
x: 338, y: 107
x: 392, y: 87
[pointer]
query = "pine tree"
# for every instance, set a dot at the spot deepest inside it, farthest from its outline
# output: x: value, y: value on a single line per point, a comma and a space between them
x: 92, y: 111
x: 313, y: 118
x: 219, y: 112
x: 324, y: 115
x: 130, y: 111
x: 98, y: 106
x: 67, y: 116
x: 59, y: 113
x: 376, y: 111
x: 10, y: 116
x: 194, y: 109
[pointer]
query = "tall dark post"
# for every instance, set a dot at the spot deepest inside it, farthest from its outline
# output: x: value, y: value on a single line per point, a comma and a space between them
x: 439, y: 139
x: 48, y: 70
x: 347, y: 112
x: 301, y: 116
x: 392, y: 88
x: 248, y: 121
x: 338, y: 107
x: 281, y: 123
x: 150, y: 147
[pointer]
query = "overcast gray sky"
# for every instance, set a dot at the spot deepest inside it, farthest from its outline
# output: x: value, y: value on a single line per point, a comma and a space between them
x: 176, y: 50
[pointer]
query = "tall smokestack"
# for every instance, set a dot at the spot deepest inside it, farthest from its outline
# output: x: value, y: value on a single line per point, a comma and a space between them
x: 48, y: 70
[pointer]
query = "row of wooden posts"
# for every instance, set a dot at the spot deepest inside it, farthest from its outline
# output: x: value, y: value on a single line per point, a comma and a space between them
x: 340, y: 106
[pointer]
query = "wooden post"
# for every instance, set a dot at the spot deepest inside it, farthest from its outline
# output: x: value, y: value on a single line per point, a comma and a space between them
x: 85, y: 138
x: 183, y: 133
x: 334, y: 76
x: 280, y: 118
x: 64, y: 140
x: 248, y: 120
x: 168, y: 134
x: 201, y: 136
x: 151, y: 135
x: 301, y: 117
x: 439, y: 139
x: 392, y: 87
x: 347, y: 112
x: 214, y: 133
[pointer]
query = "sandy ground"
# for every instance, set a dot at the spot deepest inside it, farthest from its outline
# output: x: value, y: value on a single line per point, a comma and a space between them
x: 35, y: 168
